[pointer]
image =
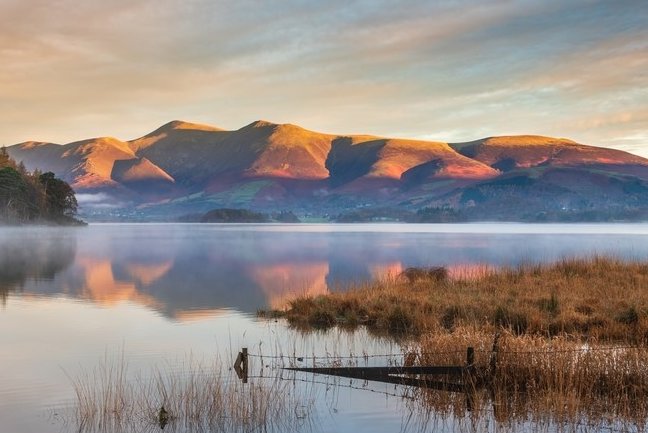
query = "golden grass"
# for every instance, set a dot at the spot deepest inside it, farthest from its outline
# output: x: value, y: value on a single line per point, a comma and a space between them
x: 550, y: 382
x: 594, y: 299
x: 573, y: 355
x: 195, y: 397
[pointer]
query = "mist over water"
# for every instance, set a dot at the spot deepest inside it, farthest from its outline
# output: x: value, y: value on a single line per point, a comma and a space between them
x: 158, y: 292
x: 178, y: 268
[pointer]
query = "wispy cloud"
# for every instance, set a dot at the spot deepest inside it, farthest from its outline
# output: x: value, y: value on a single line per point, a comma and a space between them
x: 444, y: 70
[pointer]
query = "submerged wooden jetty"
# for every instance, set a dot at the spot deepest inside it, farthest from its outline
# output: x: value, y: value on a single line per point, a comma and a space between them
x: 443, y: 377
x: 453, y: 378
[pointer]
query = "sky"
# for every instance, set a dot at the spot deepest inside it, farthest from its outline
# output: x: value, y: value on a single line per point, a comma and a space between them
x: 440, y: 70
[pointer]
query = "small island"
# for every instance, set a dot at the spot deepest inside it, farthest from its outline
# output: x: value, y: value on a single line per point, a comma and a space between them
x: 226, y: 215
x: 34, y: 197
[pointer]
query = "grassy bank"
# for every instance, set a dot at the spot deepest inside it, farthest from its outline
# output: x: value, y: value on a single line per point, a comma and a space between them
x: 596, y: 299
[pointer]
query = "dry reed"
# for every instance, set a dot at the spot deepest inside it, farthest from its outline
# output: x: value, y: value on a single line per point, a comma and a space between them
x: 545, y: 382
x: 574, y: 351
x: 600, y: 299
x: 195, y: 398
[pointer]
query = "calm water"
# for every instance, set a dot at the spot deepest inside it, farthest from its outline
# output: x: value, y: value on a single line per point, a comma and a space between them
x: 160, y: 293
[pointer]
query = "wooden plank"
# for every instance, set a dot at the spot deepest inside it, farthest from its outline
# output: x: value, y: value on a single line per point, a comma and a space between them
x: 357, y: 373
x: 363, y: 372
x: 469, y: 375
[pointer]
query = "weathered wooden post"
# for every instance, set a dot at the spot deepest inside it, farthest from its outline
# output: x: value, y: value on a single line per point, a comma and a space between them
x: 241, y: 365
x: 245, y: 364
x: 470, y: 358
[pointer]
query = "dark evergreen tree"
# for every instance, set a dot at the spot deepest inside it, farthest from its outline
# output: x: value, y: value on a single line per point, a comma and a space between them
x: 15, y: 197
x: 60, y: 200
x: 27, y: 197
x: 5, y: 159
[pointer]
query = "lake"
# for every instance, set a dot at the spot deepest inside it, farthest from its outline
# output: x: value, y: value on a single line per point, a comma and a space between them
x: 158, y: 294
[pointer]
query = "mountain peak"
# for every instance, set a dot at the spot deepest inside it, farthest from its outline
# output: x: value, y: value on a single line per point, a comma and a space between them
x: 261, y: 124
x: 280, y: 128
x: 32, y: 144
x: 100, y: 140
x: 525, y: 140
x: 181, y: 124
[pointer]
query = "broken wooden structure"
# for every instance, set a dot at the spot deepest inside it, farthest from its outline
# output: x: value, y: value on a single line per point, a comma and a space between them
x: 447, y: 378
x: 463, y: 378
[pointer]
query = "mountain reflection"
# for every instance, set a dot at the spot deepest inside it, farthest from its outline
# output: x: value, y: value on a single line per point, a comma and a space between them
x: 189, y: 272
x: 101, y: 285
x: 186, y: 277
x: 282, y: 281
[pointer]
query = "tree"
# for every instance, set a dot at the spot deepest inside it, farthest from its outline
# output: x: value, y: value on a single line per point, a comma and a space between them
x: 26, y: 196
x: 5, y: 159
x: 22, y: 169
x: 60, y: 200
x: 15, y: 196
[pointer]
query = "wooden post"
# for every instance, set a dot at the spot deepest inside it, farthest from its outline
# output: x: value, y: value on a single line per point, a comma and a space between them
x: 241, y: 365
x: 470, y: 357
x: 244, y: 357
x: 470, y: 399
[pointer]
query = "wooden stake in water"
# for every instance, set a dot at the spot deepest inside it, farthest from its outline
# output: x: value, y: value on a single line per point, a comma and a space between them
x: 241, y: 365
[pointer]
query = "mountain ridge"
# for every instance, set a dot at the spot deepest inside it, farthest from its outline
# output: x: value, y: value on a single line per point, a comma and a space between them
x: 183, y: 166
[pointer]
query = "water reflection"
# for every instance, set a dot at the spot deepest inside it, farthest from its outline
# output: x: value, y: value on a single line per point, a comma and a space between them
x: 188, y: 272
x: 23, y: 258
x: 276, y: 280
x: 101, y: 285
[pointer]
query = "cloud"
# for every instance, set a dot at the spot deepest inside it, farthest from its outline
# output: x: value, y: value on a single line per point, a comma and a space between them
x: 86, y: 198
x: 90, y: 201
x: 72, y: 69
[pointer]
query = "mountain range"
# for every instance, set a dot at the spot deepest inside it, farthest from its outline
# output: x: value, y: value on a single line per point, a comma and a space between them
x: 183, y: 168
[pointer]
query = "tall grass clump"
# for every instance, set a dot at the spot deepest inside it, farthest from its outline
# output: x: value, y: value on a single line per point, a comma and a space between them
x: 550, y: 382
x: 194, y: 398
x: 597, y: 298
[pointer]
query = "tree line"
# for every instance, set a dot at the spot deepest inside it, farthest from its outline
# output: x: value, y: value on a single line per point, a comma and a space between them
x: 33, y: 197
